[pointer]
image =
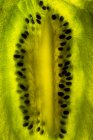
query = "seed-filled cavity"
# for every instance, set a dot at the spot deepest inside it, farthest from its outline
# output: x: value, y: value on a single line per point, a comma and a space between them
x: 27, y: 20
x: 20, y: 73
x: 65, y: 68
x: 18, y: 45
x: 62, y: 122
x: 60, y: 93
x: 32, y: 21
x: 64, y: 71
x: 25, y: 111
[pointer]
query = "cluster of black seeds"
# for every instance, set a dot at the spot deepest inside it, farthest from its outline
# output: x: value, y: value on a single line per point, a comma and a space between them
x: 41, y: 4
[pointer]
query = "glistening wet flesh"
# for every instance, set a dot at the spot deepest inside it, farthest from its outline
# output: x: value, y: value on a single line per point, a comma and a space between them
x: 44, y: 75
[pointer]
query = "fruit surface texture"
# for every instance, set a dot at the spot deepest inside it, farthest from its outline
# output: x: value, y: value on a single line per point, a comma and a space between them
x: 46, y: 65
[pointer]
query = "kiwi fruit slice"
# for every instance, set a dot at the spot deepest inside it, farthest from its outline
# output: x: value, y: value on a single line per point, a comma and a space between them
x: 46, y: 70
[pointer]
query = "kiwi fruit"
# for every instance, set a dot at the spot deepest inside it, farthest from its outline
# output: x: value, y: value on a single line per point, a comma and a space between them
x: 46, y: 65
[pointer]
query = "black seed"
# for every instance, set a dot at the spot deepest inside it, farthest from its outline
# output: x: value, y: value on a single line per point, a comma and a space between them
x: 60, y: 56
x: 25, y: 124
x: 63, y: 43
x: 25, y: 111
x: 21, y: 107
x: 44, y: 7
x: 54, y: 17
x: 40, y: 3
x: 66, y: 112
x: 26, y: 117
x: 61, y: 136
x: 38, y: 129
x: 19, y: 73
x: 65, y: 24
x: 61, y: 18
x: 17, y: 56
x: 30, y: 15
x: 68, y: 83
x: 27, y: 101
x: 24, y: 36
x: 62, y: 122
x: 23, y: 87
x: 26, y: 95
x: 23, y: 69
x: 26, y: 32
x: 68, y: 48
x: 60, y: 93
x: 60, y: 101
x: 21, y: 41
x: 61, y: 86
x: 67, y: 97
x: 69, y: 78
x: 67, y: 63
x: 20, y: 64
x: 68, y: 74
x: 38, y: 21
x: 18, y: 45
x: 64, y: 72
x: 32, y: 21
x: 30, y: 126
x: 64, y: 105
x: 60, y: 48
x: 38, y: 16
x: 67, y: 89
x: 48, y: 8
x: 60, y: 65
x: 62, y: 36
x: 42, y: 131
x: 68, y: 38
x: 23, y: 50
x: 69, y: 55
x: 65, y: 68
x: 68, y: 31
x: 60, y: 74
x: 63, y: 131
x: 27, y: 20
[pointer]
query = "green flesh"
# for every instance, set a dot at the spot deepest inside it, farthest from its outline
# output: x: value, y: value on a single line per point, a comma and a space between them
x: 41, y: 60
